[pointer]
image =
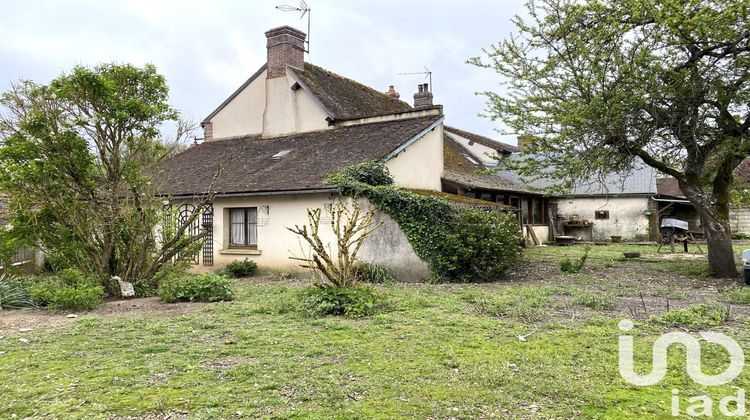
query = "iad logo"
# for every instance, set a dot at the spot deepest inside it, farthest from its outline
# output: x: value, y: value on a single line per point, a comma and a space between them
x: 704, y: 404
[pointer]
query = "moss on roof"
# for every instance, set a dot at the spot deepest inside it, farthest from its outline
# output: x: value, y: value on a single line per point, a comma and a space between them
x: 462, y: 200
x: 344, y: 98
x: 459, y: 170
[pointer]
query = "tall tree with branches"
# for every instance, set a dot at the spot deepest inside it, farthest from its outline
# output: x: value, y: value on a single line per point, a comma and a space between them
x: 604, y: 86
x: 74, y: 159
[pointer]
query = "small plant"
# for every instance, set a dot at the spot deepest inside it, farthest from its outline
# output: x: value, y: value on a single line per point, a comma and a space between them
x: 373, y: 273
x: 738, y: 295
x: 351, y: 301
x: 68, y: 290
x: 598, y: 301
x: 696, y: 316
x: 240, y: 269
x: 526, y: 303
x: 14, y: 294
x: 570, y: 266
x: 201, y: 288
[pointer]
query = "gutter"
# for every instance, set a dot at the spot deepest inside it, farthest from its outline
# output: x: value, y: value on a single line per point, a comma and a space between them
x: 255, y: 194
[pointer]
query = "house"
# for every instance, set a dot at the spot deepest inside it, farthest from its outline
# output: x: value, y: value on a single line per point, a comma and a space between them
x: 468, y: 158
x: 269, y: 146
x: 619, y: 205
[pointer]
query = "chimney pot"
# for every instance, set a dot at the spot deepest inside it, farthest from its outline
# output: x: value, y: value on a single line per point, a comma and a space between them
x: 392, y: 92
x: 285, y: 47
x: 423, y: 97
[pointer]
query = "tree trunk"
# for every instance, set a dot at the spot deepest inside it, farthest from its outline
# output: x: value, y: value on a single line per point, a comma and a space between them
x: 719, y: 240
x: 715, y: 220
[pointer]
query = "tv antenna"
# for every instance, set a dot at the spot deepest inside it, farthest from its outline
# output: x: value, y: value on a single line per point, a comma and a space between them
x: 305, y: 9
x: 427, y: 75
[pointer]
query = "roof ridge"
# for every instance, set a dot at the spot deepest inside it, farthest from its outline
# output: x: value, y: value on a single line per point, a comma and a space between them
x: 369, y: 88
x: 480, y: 139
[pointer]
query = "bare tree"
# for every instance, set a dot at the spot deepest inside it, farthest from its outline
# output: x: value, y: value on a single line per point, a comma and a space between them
x: 351, y: 227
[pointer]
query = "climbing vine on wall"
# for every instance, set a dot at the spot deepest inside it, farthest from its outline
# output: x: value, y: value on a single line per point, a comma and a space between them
x: 459, y: 244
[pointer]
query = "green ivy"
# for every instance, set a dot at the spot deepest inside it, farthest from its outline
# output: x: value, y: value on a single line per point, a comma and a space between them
x: 459, y: 244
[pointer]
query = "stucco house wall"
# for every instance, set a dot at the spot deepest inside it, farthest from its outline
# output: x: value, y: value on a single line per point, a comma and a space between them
x: 244, y: 113
x: 420, y: 165
x: 626, y: 216
x: 276, y: 244
x: 485, y: 155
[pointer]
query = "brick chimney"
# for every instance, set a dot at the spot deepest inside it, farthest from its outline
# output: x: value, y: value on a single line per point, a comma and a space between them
x: 423, y: 97
x: 392, y: 92
x: 286, y: 47
x: 208, y: 131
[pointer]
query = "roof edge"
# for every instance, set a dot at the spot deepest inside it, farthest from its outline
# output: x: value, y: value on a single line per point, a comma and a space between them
x: 409, y: 142
x: 291, y: 71
x: 235, y: 93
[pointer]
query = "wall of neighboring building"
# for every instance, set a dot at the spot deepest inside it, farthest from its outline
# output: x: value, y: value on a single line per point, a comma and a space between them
x: 421, y: 164
x: 276, y: 244
x: 243, y: 115
x: 739, y: 219
x: 486, y: 155
x: 626, y: 216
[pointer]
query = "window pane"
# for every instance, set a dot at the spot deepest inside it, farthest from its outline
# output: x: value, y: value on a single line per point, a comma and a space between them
x: 252, y: 226
x: 237, y: 218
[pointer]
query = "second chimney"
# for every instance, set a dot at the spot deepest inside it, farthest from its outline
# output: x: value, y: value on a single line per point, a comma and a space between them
x: 423, y: 97
x: 392, y: 92
x: 286, y: 47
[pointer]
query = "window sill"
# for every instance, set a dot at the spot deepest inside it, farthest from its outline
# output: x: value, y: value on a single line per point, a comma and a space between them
x: 240, y: 251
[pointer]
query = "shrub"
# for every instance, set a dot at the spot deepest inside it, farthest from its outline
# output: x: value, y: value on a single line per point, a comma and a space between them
x: 201, y: 288
x: 373, y: 273
x: 69, y: 290
x: 740, y: 235
x: 695, y: 316
x: 738, y: 295
x: 354, y: 302
x: 145, y: 287
x: 14, y: 294
x: 569, y: 266
x: 459, y: 244
x: 238, y: 269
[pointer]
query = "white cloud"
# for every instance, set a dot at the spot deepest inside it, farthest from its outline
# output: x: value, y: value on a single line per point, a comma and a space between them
x: 206, y: 49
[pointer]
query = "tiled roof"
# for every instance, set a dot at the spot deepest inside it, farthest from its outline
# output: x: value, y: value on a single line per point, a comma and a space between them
x: 485, y: 141
x: 669, y: 187
x: 247, y: 166
x: 343, y: 98
x: 460, y: 170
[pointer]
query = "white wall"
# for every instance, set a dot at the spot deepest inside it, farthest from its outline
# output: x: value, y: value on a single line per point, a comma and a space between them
x: 269, y: 107
x: 388, y: 246
x: 739, y: 220
x: 244, y: 114
x: 486, y: 155
x: 626, y: 216
x: 421, y: 164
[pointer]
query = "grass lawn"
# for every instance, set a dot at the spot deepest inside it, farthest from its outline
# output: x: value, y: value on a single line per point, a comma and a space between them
x: 440, y: 351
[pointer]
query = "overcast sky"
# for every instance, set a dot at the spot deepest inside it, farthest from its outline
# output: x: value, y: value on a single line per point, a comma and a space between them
x: 207, y: 49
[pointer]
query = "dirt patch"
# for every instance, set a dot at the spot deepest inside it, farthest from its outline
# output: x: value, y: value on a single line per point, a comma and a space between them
x: 11, y: 321
x: 224, y: 364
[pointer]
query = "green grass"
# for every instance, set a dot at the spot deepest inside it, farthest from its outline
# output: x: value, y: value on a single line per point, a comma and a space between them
x: 696, y: 316
x: 739, y: 295
x: 441, y: 351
